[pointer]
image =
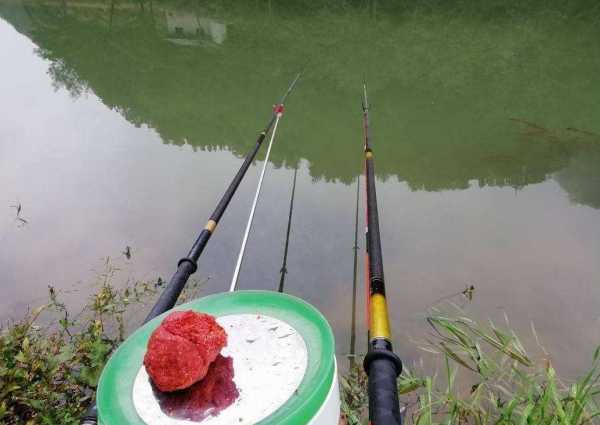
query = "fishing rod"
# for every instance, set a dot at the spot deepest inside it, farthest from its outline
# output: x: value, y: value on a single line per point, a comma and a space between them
x: 381, y: 364
x: 283, y: 270
x: 278, y: 113
x: 354, y: 278
x: 189, y: 264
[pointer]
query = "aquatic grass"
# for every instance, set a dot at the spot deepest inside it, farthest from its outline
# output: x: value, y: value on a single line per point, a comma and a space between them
x: 509, y: 387
x: 354, y: 395
x: 488, y: 378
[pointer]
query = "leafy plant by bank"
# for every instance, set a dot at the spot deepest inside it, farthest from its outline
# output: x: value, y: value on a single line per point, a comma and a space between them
x: 508, y: 386
x: 48, y: 372
x: 49, y: 368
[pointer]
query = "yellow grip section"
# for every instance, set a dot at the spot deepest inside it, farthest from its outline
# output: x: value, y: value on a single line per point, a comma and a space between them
x: 211, y: 226
x: 380, y: 322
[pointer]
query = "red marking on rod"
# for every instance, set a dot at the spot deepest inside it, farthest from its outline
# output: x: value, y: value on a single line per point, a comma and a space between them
x: 278, y: 109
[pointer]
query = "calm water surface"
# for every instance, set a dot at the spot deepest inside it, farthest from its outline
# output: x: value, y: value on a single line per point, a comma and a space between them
x: 123, y: 122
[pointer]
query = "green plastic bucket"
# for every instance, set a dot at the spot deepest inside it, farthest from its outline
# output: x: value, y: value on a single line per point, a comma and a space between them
x: 314, y: 401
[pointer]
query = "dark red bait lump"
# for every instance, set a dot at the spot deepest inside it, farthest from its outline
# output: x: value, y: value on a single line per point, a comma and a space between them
x: 214, y: 393
x: 182, y: 348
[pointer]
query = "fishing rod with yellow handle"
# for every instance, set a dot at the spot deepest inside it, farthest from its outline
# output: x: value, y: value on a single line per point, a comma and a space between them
x: 381, y: 364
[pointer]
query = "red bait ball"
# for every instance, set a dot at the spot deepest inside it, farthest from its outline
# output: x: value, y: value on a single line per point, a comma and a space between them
x: 182, y: 348
x: 200, y: 329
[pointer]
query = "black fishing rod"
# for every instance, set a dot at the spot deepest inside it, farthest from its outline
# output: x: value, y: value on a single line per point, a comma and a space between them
x: 189, y: 264
x: 381, y: 364
x: 283, y: 270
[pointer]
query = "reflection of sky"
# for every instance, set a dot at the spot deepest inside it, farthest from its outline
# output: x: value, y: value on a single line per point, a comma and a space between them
x: 91, y: 183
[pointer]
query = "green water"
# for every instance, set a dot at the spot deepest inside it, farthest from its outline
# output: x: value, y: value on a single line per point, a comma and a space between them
x: 124, y: 121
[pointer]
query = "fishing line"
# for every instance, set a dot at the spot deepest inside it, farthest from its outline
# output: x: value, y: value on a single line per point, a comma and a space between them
x: 236, y: 273
x: 278, y: 113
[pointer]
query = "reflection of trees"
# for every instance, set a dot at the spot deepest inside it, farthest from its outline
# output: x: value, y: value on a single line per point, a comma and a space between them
x: 580, y: 174
x: 444, y: 80
x: 581, y: 178
x: 65, y: 77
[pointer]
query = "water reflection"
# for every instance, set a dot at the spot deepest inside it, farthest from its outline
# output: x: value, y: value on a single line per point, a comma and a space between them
x: 444, y: 106
x: 579, y: 173
x: 185, y: 29
x: 581, y: 178
x: 482, y: 119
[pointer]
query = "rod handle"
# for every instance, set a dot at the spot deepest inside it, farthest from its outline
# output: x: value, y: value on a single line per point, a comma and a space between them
x: 383, y: 368
x: 168, y: 298
x: 90, y: 417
